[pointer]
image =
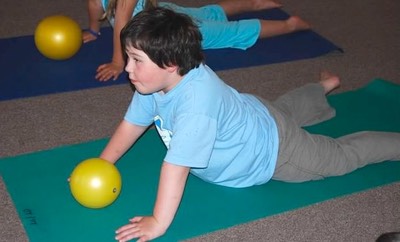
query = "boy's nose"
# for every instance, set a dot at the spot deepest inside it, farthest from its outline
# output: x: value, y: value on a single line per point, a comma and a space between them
x: 129, y: 67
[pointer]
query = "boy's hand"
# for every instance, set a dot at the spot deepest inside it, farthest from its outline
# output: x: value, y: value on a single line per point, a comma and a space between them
x: 110, y: 70
x: 144, y: 228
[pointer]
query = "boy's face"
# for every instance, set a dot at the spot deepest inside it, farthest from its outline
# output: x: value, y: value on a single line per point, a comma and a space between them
x: 146, y: 76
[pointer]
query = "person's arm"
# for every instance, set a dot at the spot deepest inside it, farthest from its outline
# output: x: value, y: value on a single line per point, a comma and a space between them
x: 95, y: 12
x: 170, y: 190
x: 123, y: 13
x: 123, y: 138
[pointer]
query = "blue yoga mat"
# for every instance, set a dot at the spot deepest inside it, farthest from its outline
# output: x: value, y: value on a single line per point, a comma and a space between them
x: 27, y: 73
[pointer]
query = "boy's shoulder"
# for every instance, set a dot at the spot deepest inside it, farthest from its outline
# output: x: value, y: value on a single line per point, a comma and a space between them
x: 204, y: 77
x: 202, y: 85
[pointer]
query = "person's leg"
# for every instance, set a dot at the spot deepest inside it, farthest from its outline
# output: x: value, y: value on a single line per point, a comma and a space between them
x: 215, y: 28
x: 304, y: 156
x: 231, y: 34
x: 218, y: 32
x: 211, y: 12
x: 308, y: 105
x: 232, y: 7
x: 270, y: 28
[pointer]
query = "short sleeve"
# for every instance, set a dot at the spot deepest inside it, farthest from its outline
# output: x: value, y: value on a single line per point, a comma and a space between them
x: 140, y: 110
x: 193, y: 140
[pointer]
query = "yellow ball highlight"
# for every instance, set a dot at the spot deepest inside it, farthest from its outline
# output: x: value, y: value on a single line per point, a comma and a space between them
x: 58, y: 37
x: 95, y: 183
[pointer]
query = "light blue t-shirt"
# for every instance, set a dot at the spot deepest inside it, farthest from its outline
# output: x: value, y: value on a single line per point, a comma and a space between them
x: 214, y: 26
x: 227, y: 138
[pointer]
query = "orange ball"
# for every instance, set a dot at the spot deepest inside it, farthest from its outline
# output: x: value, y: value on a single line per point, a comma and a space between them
x: 95, y: 183
x: 58, y: 37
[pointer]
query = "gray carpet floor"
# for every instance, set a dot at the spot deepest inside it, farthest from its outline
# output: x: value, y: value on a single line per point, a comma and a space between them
x: 367, y: 30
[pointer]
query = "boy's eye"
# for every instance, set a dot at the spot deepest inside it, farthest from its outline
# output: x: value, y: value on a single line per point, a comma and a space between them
x: 133, y: 59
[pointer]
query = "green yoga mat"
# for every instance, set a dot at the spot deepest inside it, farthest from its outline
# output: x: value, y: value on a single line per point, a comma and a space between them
x: 37, y: 182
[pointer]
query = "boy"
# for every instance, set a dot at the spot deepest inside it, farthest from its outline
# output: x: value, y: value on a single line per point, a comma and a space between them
x: 218, y: 134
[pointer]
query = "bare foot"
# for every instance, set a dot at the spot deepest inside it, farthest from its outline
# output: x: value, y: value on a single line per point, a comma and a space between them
x: 329, y: 81
x: 295, y: 23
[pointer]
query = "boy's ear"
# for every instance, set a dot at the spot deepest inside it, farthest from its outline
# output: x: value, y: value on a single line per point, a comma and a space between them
x: 172, y: 68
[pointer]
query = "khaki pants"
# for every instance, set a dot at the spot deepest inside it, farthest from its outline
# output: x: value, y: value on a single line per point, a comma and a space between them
x: 304, y: 156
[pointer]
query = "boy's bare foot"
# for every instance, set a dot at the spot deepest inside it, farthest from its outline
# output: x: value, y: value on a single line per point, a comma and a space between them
x: 329, y: 81
x: 295, y: 23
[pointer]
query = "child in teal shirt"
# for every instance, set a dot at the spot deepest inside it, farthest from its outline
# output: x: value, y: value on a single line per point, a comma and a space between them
x: 212, y: 19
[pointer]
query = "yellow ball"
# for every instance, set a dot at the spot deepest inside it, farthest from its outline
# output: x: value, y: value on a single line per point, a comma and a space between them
x: 95, y: 183
x: 58, y: 37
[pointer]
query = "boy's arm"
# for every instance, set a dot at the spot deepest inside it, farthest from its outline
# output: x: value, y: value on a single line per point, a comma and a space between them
x: 170, y: 190
x: 123, y: 138
x: 123, y: 13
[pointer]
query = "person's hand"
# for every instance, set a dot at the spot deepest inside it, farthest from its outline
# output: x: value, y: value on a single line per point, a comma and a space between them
x: 110, y: 70
x: 143, y: 228
x: 88, y: 36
